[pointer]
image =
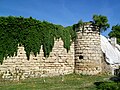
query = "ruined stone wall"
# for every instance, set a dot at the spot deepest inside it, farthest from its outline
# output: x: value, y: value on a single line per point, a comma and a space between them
x: 106, y: 67
x: 88, y: 50
x: 58, y: 63
x: 84, y: 57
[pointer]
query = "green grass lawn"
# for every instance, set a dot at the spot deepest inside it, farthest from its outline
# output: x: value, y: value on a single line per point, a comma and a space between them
x: 67, y: 82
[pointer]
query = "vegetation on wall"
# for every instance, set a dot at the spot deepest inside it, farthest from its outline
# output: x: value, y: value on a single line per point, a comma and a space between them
x: 98, y: 20
x: 79, y: 24
x: 31, y: 33
x: 101, y: 21
x: 115, y: 33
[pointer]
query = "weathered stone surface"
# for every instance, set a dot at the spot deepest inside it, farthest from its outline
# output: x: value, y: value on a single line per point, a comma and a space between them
x: 88, y: 51
x: 59, y: 61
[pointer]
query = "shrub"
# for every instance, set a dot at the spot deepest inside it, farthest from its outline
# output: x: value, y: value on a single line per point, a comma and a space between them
x: 108, y: 86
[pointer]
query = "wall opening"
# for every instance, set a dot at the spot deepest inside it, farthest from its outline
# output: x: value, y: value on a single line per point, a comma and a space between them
x: 80, y: 57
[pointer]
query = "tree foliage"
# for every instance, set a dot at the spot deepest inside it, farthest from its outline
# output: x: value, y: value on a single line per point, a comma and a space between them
x: 31, y: 33
x: 101, y: 21
x: 115, y: 33
x: 79, y: 24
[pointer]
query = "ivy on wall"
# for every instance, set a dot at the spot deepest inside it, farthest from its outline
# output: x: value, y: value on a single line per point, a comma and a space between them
x: 31, y: 33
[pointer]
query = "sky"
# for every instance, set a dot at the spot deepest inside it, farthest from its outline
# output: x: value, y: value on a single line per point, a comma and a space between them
x: 63, y: 12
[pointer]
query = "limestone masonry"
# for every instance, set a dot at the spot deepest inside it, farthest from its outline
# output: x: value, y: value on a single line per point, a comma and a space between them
x: 88, y: 52
x: 84, y: 57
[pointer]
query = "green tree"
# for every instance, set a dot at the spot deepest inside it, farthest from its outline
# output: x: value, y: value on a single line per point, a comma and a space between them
x: 101, y: 21
x: 115, y: 33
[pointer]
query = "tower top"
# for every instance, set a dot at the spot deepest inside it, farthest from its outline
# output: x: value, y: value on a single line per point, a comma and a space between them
x: 87, y: 27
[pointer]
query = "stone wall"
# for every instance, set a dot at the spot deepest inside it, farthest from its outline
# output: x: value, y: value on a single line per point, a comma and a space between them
x: 58, y: 63
x: 88, y: 50
x: 84, y: 57
x: 106, y: 67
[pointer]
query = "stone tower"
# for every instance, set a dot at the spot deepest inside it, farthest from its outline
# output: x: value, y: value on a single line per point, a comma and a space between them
x: 88, y: 50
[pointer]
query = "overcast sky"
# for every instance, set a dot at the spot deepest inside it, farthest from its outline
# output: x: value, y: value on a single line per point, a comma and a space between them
x: 64, y: 12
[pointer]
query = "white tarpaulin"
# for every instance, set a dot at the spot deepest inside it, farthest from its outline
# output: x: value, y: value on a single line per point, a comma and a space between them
x: 112, y: 53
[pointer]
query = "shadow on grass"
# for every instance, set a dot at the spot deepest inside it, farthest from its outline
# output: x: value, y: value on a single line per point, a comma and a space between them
x: 115, y: 79
x: 98, y: 83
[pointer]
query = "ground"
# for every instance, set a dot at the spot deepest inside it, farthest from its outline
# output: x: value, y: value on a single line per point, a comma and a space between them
x: 67, y: 82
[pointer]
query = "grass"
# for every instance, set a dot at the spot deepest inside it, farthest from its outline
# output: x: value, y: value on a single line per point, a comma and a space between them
x: 67, y: 82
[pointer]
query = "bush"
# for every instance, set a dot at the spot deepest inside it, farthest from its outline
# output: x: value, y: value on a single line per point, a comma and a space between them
x: 108, y: 86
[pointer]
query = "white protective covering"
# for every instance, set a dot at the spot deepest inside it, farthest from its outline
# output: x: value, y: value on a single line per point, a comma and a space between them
x: 112, y: 53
